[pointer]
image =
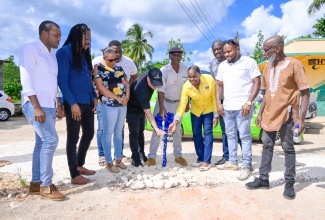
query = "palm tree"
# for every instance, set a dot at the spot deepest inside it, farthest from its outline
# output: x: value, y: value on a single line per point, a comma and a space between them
x: 136, y: 46
x: 315, y: 6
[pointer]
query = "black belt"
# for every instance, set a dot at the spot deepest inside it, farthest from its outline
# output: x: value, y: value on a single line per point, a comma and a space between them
x: 171, y: 101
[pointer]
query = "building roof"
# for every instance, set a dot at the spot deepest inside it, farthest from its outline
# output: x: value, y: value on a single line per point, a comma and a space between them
x: 305, y: 45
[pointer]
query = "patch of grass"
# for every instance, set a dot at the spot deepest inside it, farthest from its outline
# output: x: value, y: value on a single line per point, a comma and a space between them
x: 22, y: 181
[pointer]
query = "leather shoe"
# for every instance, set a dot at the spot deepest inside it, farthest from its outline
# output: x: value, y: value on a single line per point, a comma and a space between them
x: 151, y: 162
x: 85, y: 171
x: 112, y: 168
x: 51, y: 192
x: 80, y: 180
x: 181, y: 161
x: 120, y: 164
x: 220, y: 162
x: 34, y: 187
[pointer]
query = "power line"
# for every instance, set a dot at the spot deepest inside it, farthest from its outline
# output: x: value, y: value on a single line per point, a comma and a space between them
x: 224, y: 5
x: 211, y: 21
x: 194, y: 22
x: 202, y: 19
x: 206, y: 17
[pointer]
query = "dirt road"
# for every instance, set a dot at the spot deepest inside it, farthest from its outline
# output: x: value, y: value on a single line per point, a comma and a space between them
x: 190, y: 194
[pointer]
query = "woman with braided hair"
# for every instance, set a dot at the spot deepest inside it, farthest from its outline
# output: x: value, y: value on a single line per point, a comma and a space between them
x: 74, y: 79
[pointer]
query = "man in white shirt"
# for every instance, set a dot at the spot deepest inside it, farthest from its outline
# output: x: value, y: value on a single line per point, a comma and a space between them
x: 239, y: 78
x: 174, y: 75
x: 131, y: 71
x: 41, y: 104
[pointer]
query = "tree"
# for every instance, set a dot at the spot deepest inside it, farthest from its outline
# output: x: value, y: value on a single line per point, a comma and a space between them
x: 172, y: 43
x: 11, y: 79
x: 306, y: 36
x: 136, y: 45
x: 320, y: 27
x: 258, y: 52
x: 11, y: 71
x: 149, y: 65
x: 315, y: 6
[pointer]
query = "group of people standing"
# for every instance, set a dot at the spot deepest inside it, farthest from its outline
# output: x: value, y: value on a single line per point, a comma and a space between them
x: 110, y: 85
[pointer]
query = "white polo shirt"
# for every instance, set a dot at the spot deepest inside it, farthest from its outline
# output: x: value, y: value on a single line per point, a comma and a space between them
x: 126, y: 63
x: 39, y: 73
x: 237, y: 81
x: 172, y: 81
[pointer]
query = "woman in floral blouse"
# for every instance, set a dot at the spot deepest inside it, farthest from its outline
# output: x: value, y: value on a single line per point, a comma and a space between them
x: 113, y: 86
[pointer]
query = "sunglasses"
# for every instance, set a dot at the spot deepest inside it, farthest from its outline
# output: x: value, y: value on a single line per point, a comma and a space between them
x: 111, y: 60
x: 265, y: 50
x: 229, y: 41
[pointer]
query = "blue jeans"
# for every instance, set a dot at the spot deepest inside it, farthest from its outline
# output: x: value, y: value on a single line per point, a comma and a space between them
x: 234, y: 122
x: 225, y: 140
x: 99, y: 132
x: 113, y: 123
x: 203, y: 145
x: 46, y: 142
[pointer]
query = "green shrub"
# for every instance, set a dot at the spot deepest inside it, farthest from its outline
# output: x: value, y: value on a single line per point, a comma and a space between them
x: 13, y: 89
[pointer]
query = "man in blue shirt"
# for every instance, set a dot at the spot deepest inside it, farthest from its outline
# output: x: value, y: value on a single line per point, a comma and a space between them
x: 74, y: 79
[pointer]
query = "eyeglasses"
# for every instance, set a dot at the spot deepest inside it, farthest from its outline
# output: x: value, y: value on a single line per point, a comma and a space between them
x: 265, y: 50
x: 111, y: 60
x: 229, y: 41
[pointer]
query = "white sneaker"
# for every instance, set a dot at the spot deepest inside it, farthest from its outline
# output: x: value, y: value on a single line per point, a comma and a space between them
x: 243, y: 173
x: 227, y: 166
x: 196, y: 164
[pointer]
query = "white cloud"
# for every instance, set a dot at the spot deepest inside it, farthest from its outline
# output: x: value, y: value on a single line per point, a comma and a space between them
x: 202, y: 59
x: 107, y: 19
x: 295, y: 22
x: 166, y: 19
x: 259, y: 19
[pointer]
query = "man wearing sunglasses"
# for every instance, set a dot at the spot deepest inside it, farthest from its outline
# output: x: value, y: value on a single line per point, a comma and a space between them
x: 283, y: 79
x: 239, y: 79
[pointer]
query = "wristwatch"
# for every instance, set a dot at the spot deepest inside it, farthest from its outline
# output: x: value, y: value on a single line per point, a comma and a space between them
x: 249, y: 103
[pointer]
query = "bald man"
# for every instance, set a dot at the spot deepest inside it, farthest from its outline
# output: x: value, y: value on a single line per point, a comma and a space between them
x: 283, y: 79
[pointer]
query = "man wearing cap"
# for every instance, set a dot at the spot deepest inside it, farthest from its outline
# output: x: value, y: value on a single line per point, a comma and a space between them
x: 174, y: 75
x: 138, y: 107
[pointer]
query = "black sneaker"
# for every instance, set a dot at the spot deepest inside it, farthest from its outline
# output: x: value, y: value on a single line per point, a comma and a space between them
x: 251, y: 168
x: 143, y: 157
x: 220, y: 162
x: 289, y: 191
x: 136, y: 163
x: 258, y: 184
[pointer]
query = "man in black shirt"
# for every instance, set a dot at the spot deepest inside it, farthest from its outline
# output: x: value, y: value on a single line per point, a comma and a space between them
x: 138, y: 106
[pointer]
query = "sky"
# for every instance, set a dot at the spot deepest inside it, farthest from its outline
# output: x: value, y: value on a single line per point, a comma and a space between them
x: 166, y: 19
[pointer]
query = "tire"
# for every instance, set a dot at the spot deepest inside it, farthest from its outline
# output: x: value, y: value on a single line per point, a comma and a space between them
x: 277, y: 138
x: 4, y: 114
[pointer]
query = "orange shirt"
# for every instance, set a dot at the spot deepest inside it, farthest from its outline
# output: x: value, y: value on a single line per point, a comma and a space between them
x: 282, y: 85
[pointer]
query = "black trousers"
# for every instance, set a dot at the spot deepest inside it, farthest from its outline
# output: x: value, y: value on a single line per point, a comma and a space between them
x: 75, y: 158
x: 136, y: 123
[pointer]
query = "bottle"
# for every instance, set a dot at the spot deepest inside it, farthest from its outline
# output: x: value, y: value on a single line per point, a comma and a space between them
x: 295, y: 131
